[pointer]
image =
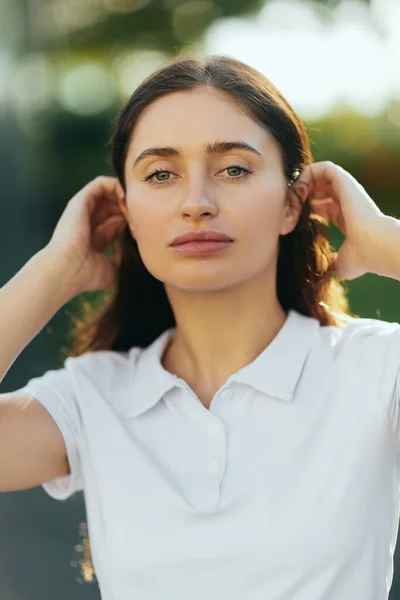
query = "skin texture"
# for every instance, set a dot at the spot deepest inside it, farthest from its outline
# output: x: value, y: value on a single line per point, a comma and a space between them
x: 225, y: 304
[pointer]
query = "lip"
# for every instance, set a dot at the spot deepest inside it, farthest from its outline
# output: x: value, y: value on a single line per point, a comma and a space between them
x: 208, y: 235
x: 201, y: 247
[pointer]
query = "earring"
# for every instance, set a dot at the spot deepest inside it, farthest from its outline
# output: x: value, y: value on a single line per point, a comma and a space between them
x: 294, y: 176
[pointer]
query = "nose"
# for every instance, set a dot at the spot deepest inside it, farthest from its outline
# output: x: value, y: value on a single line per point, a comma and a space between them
x: 198, y: 203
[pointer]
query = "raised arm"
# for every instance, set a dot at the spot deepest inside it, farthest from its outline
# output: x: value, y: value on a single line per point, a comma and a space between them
x: 32, y: 449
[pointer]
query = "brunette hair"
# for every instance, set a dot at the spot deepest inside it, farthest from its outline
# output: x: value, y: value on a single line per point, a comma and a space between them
x: 138, y: 310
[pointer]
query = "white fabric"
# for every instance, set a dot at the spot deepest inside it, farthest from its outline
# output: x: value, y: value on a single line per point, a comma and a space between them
x: 286, y: 488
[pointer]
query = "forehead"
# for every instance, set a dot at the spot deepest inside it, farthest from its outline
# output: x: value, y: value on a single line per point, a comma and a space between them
x: 191, y: 119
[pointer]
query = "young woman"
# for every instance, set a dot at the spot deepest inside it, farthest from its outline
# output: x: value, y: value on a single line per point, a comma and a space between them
x: 233, y: 427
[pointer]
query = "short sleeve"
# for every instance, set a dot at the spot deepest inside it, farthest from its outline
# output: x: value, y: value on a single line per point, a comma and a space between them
x: 376, y: 345
x: 56, y: 391
x: 391, y: 378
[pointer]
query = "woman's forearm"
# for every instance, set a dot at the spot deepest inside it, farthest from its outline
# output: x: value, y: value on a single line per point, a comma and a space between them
x: 388, y: 251
x: 30, y: 299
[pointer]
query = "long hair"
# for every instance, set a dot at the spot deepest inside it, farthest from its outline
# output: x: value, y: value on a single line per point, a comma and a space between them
x: 138, y: 310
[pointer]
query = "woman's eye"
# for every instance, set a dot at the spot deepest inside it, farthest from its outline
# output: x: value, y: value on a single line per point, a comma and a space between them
x: 236, y: 172
x: 160, y: 176
x: 161, y: 172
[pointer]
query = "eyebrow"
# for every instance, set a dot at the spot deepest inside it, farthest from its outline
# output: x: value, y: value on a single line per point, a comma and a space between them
x: 211, y: 148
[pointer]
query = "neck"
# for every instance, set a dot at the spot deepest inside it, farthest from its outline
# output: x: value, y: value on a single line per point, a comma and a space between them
x: 220, y: 332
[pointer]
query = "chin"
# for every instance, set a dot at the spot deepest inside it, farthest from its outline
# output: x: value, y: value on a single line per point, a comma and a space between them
x: 198, y: 288
x: 201, y: 282
x: 202, y: 276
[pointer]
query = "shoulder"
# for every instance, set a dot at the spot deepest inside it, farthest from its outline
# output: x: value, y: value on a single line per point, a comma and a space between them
x: 102, y: 365
x: 368, y: 347
x: 91, y: 371
x: 372, y: 336
x: 103, y: 358
x: 92, y: 380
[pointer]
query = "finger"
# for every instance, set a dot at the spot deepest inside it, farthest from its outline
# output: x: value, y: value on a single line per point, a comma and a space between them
x: 108, y: 193
x: 322, y: 207
x: 331, y: 211
x: 322, y: 201
x: 103, y: 189
x: 112, y: 187
x: 113, y: 220
x: 103, y: 212
x: 110, y: 228
x: 316, y: 188
x: 106, y: 232
x: 345, y: 188
x: 107, y: 198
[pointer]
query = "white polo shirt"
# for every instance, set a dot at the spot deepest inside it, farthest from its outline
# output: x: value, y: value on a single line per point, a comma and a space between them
x: 286, y: 488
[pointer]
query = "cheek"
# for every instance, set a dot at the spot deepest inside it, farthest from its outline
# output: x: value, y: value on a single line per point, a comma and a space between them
x: 151, y: 240
x: 146, y: 221
x: 149, y: 228
x: 263, y: 215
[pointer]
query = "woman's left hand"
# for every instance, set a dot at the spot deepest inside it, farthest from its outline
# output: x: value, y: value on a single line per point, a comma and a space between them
x: 337, y: 196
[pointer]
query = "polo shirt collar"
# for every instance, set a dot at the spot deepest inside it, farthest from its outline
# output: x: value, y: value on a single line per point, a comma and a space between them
x: 275, y: 371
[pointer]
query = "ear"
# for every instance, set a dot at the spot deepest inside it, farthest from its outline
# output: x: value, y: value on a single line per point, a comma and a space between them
x: 301, y: 189
x: 293, y: 206
x: 124, y: 209
x: 121, y: 197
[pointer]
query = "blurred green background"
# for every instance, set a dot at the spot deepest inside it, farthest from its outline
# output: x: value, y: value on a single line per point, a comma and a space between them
x: 66, y: 67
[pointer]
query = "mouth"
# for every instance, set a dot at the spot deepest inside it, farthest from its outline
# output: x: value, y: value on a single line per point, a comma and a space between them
x: 201, y: 247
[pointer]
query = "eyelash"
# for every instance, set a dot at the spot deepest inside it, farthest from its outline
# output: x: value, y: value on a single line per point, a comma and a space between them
x: 247, y: 172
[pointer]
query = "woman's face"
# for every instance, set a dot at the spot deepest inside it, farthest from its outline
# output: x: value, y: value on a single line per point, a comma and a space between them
x: 238, y: 192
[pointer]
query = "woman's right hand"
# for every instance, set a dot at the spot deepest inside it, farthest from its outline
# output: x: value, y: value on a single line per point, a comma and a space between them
x: 91, y: 221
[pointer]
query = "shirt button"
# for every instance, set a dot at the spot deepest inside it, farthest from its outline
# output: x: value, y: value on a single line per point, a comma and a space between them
x: 226, y: 394
x: 213, y: 466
